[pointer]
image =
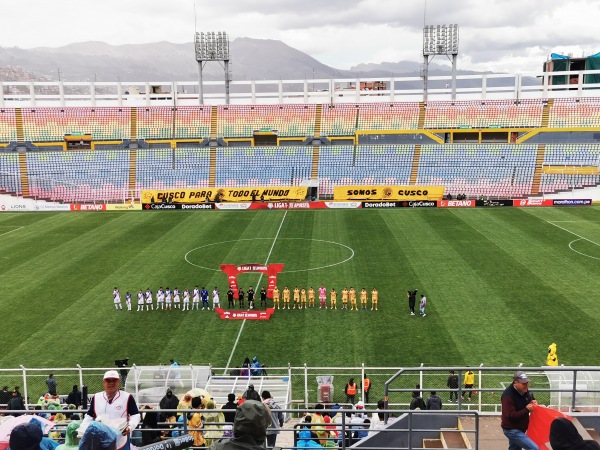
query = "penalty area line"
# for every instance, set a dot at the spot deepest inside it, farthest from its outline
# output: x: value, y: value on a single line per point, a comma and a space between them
x: 257, y: 284
x: 574, y: 234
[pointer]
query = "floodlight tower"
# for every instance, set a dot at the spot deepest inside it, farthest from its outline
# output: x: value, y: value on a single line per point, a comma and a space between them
x: 439, y: 40
x: 211, y: 46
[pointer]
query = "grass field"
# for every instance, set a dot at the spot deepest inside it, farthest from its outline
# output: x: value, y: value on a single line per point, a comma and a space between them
x: 502, y: 284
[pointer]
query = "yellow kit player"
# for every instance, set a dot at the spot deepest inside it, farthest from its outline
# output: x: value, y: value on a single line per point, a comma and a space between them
x: 296, y: 297
x: 345, y: 298
x: 275, y: 298
x: 286, y: 297
x: 303, y: 298
x: 311, y: 298
x: 333, y: 297
x: 363, y: 299
x: 352, y: 293
x: 374, y: 299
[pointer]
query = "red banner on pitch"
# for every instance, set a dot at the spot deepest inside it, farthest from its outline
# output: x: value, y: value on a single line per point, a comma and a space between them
x: 254, y: 314
x: 271, y: 271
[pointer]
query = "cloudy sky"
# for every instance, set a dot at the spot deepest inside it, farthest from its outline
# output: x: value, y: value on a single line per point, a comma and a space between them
x: 497, y: 35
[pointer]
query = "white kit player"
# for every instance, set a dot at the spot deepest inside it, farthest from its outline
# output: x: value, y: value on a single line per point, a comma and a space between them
x: 140, y: 297
x: 176, y: 298
x: 128, y: 300
x: 196, y: 298
x: 117, y: 299
x: 168, y: 299
x: 160, y: 299
x: 216, y: 300
x: 186, y: 300
x: 149, y: 304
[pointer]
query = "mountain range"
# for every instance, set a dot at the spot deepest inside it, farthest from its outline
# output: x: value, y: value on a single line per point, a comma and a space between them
x: 250, y: 59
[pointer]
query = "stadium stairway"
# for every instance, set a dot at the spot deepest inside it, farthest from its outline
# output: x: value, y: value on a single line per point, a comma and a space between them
x: 220, y: 386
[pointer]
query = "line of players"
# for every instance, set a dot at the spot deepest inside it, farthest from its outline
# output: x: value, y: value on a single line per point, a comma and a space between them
x: 169, y: 299
x: 306, y: 299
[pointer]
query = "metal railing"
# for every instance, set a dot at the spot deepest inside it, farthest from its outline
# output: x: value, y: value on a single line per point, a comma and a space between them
x: 485, y: 86
x: 568, y: 388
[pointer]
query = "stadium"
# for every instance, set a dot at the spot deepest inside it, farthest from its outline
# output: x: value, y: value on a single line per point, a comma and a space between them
x: 485, y: 202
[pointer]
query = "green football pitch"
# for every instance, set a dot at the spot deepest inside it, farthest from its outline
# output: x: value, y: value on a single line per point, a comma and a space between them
x: 502, y: 284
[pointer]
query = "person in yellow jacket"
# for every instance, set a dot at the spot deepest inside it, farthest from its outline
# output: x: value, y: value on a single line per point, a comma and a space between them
x: 468, y: 382
x: 345, y: 298
x: 311, y: 298
x: 363, y: 299
x: 286, y: 297
x: 333, y: 298
x: 374, y: 299
x: 275, y: 298
x: 352, y: 294
x: 552, y: 358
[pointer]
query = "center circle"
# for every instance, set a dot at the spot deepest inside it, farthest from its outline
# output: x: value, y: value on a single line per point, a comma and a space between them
x: 351, y: 253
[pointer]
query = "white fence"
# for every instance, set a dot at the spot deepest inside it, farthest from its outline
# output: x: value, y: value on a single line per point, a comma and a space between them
x: 531, y: 85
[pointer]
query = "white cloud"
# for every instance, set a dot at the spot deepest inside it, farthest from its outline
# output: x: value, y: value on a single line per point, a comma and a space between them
x: 507, y: 36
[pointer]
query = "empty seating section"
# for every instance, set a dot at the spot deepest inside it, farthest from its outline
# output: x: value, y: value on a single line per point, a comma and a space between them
x: 243, y: 120
x: 51, y: 124
x: 192, y: 122
x: 164, y: 168
x: 155, y: 123
x: 8, y: 125
x: 568, y: 112
x: 79, y: 176
x: 263, y: 166
x: 10, y: 178
x: 339, y: 120
x: 389, y: 116
x: 492, y: 113
x: 569, y: 155
x: 496, y: 170
x: 364, y: 164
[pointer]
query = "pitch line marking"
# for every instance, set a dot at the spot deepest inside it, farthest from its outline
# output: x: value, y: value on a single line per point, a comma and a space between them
x: 257, y: 284
x: 16, y: 229
x: 282, y: 239
x: 575, y: 234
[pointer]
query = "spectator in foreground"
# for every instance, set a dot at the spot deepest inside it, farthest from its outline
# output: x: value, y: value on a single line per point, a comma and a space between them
x: 564, y: 436
x: 434, y: 402
x: 229, y: 408
x: 417, y: 402
x: 249, y: 428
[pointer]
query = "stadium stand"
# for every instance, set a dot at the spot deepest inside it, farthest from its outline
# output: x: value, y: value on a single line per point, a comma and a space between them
x: 79, y: 176
x: 365, y: 164
x: 572, y: 157
x: 339, y: 120
x: 161, y: 168
x: 155, y: 123
x: 572, y: 112
x: 192, y: 122
x: 263, y: 166
x: 10, y: 181
x: 288, y: 120
x: 388, y: 116
x: 8, y: 125
x: 52, y: 124
x: 498, y: 170
x: 493, y: 113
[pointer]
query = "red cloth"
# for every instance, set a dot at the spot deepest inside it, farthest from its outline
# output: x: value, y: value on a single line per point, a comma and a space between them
x: 540, y: 420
